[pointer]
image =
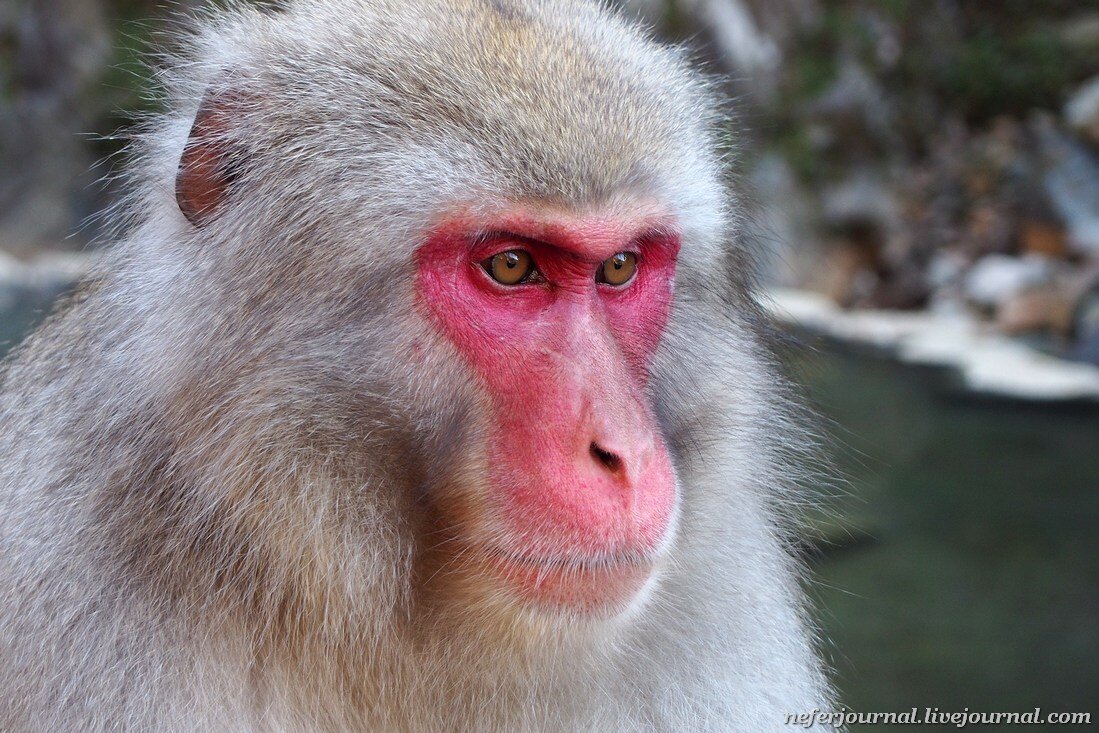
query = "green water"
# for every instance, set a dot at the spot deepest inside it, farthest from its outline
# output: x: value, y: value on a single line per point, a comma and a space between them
x: 975, y: 578
x: 980, y: 585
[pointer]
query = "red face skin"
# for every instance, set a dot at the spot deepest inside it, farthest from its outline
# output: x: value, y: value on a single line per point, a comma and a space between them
x: 565, y: 361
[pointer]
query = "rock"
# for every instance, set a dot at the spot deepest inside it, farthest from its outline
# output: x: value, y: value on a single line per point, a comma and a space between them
x: 1080, y: 33
x: 652, y: 12
x: 1041, y: 238
x: 9, y: 281
x: 50, y: 90
x: 988, y: 228
x: 854, y: 104
x: 848, y: 274
x: 1085, y: 328
x: 1008, y: 368
x: 728, y: 33
x: 784, y: 222
x: 945, y: 269
x: 1086, y: 348
x: 1082, y: 110
x: 862, y: 200
x: 41, y: 280
x: 995, y: 278
x: 987, y: 362
x: 1071, y: 182
x: 1039, y: 309
x: 738, y: 36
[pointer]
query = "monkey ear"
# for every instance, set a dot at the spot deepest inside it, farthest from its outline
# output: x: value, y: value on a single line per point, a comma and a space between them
x: 210, y: 161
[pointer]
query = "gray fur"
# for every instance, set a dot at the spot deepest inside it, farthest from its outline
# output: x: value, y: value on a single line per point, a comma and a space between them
x: 212, y: 458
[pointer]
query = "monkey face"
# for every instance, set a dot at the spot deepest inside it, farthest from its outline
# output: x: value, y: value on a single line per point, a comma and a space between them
x: 559, y: 315
x: 545, y: 459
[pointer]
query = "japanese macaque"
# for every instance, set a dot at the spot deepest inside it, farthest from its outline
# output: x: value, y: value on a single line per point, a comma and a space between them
x: 423, y: 389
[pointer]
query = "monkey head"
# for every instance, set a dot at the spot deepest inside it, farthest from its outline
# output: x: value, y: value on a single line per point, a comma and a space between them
x: 515, y: 192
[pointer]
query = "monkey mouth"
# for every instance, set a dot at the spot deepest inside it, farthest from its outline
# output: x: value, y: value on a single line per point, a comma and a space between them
x: 603, y: 586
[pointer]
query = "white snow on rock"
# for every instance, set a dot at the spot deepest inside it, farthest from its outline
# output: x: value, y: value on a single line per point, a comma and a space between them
x: 49, y: 274
x: 996, y: 278
x: 988, y: 362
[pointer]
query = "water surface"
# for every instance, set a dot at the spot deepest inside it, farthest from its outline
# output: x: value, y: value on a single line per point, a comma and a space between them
x: 979, y: 586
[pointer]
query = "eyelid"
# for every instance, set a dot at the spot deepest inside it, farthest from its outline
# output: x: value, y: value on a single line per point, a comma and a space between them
x: 491, y: 243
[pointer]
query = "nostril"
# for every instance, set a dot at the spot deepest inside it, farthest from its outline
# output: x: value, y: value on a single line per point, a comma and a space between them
x: 607, y: 459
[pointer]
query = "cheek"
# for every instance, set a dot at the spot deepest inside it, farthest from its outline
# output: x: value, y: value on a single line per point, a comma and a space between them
x: 482, y: 324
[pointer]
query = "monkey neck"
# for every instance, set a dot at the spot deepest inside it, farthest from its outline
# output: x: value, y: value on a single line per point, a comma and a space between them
x: 311, y: 595
x: 356, y: 661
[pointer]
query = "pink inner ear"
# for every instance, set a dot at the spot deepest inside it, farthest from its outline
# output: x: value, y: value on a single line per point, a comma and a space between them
x: 205, y: 169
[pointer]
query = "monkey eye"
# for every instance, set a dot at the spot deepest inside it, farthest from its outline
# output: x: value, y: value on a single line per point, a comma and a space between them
x: 513, y: 267
x: 618, y: 269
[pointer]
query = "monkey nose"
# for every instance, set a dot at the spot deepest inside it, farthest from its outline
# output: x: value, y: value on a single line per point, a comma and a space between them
x: 608, y: 460
x: 623, y: 464
x: 615, y: 443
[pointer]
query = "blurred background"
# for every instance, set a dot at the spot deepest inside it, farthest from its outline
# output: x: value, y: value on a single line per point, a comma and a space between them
x: 924, y: 176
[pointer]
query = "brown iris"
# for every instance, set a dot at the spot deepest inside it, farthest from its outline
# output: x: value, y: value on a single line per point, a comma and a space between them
x: 618, y: 269
x: 510, y: 268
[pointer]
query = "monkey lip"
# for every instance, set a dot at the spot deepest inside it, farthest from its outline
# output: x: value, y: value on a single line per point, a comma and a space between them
x: 602, y: 586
